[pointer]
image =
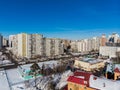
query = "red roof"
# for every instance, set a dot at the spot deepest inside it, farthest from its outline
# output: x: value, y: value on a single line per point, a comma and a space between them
x: 117, y: 70
x: 76, y: 80
x: 80, y: 80
x: 81, y: 73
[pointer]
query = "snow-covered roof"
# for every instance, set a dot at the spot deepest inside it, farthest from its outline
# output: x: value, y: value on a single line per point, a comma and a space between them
x: 91, y: 60
x: 48, y: 63
x: 112, y: 67
x: 103, y: 84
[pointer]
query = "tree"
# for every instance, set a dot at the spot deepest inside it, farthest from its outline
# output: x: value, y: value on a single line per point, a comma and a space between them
x: 35, y: 70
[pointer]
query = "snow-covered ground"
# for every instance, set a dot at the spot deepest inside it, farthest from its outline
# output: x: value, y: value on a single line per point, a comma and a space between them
x: 4, y: 85
x: 13, y: 78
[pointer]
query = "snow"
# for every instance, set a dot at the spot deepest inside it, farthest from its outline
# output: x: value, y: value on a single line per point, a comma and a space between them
x: 16, y: 82
x: 14, y: 76
x: 3, y: 81
x: 48, y: 63
x: 5, y: 62
x: 117, y: 66
x: 109, y: 68
x: 63, y: 80
x: 91, y: 60
x: 104, y: 84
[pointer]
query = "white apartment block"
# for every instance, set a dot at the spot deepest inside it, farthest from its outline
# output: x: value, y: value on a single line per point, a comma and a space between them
x: 58, y: 47
x: 47, y: 45
x: 95, y: 43
x: 11, y: 37
x: 74, y: 47
x: 109, y: 51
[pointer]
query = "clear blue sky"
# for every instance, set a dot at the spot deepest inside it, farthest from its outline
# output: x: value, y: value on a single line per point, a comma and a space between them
x: 72, y: 19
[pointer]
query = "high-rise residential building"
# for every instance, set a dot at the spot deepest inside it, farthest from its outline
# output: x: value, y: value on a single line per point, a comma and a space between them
x: 36, y: 44
x: 53, y: 46
x: 113, y: 38
x: 74, y: 47
x: 5, y: 42
x: 109, y: 51
x: 11, y: 38
x: 58, y: 46
x: 95, y: 43
x: 21, y: 45
x: 47, y: 46
x: 83, y: 45
x: 103, y: 40
x: 27, y: 45
x: 1, y: 41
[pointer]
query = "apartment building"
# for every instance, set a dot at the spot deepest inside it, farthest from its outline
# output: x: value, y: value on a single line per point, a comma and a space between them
x: 27, y: 45
x: 36, y: 44
x: 109, y: 51
x: 103, y: 40
x: 53, y: 46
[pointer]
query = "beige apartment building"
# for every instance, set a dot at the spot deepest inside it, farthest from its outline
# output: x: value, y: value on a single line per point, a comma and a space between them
x: 27, y: 45
x: 53, y: 46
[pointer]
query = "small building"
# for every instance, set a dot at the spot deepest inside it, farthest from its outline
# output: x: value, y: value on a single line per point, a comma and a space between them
x: 86, y: 81
x: 26, y: 72
x: 117, y: 74
x: 89, y: 64
x: 79, y: 81
x: 113, y: 69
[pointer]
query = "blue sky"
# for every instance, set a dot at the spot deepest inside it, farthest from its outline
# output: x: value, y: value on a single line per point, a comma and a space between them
x: 72, y: 19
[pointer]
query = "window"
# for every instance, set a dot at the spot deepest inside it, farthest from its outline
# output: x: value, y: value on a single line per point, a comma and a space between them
x: 85, y: 88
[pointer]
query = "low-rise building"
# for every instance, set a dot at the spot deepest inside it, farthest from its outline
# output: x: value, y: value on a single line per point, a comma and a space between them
x: 86, y: 81
x: 89, y: 64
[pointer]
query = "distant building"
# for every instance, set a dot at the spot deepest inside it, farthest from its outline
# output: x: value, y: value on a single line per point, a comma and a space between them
x: 88, y: 64
x: 103, y: 40
x: 113, y: 38
x: 109, y: 51
x: 95, y: 43
x: 5, y: 42
x: 1, y: 41
x: 11, y: 38
x: 74, y: 47
x: 86, y: 81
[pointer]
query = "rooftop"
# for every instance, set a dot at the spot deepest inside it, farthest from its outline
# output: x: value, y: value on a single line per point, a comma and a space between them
x: 91, y: 60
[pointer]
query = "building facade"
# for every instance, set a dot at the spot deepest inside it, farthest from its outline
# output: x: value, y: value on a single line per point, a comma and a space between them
x: 109, y: 51
x: 27, y: 45
x: 89, y: 64
x: 53, y: 46
x: 103, y: 40
x: 86, y: 81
